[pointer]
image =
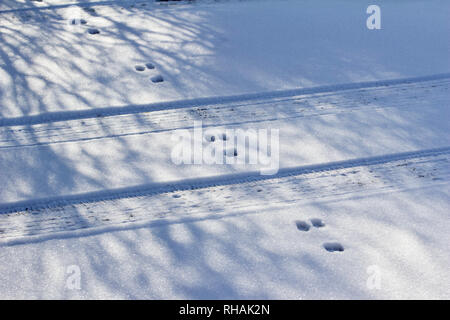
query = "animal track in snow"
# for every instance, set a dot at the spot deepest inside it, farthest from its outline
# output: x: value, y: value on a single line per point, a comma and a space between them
x: 157, y: 79
x: 302, y: 225
x: 230, y: 153
x: 149, y: 66
x: 93, y: 31
x: 78, y: 21
x: 333, y: 246
x: 91, y: 11
x: 317, y: 223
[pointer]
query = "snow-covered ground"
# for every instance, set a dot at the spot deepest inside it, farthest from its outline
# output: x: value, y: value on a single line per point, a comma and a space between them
x: 210, y: 50
x: 86, y: 170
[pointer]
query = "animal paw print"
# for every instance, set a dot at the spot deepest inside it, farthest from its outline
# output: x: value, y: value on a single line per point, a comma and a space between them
x: 229, y: 152
x: 305, y: 226
x: 78, y: 21
x: 91, y: 11
x: 149, y: 66
x: 319, y: 223
x: 93, y: 31
x: 333, y: 247
x: 302, y: 225
x: 157, y: 79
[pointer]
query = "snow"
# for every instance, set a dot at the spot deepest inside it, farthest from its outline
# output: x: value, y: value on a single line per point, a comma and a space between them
x: 260, y: 255
x: 85, y: 150
x: 394, y: 122
x: 202, y: 50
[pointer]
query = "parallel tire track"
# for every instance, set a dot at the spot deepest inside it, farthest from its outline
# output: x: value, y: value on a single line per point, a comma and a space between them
x: 100, y: 124
x: 359, y: 176
x: 223, y: 194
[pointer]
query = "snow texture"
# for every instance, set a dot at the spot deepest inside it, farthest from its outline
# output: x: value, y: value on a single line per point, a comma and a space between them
x: 91, y: 93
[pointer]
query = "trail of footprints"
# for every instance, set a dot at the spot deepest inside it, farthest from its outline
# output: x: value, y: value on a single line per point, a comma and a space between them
x: 318, y: 223
x: 83, y: 22
x: 227, y: 152
x: 93, y: 31
x: 149, y: 66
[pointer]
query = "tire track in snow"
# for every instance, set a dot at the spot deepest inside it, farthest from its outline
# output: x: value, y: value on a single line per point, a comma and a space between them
x: 113, y: 111
x: 100, y: 123
x: 224, y: 195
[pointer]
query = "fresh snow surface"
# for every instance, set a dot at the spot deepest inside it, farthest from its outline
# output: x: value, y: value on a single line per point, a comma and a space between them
x: 359, y: 207
x: 219, y: 49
